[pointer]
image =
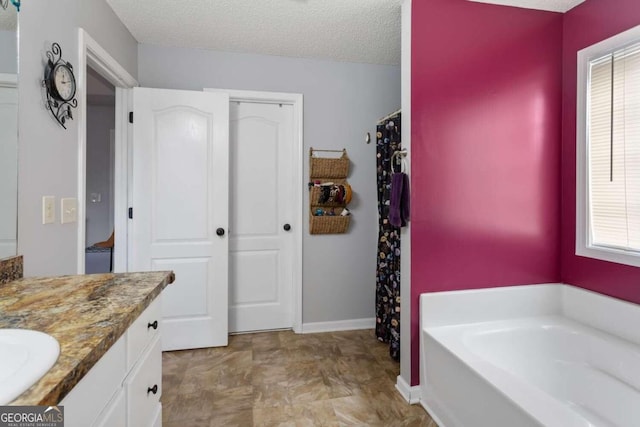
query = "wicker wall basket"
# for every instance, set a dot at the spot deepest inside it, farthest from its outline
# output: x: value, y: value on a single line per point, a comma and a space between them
x: 325, y: 167
x: 328, y: 224
x: 316, y: 192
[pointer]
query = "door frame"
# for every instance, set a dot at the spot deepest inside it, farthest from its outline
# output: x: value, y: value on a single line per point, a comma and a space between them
x: 91, y: 54
x: 296, y: 101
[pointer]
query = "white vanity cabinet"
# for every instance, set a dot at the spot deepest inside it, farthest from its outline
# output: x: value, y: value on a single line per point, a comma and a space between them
x: 123, y: 389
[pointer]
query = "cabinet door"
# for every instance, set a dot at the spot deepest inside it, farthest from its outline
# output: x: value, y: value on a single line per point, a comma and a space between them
x: 144, y: 387
x: 91, y: 395
x: 157, y: 420
x: 116, y: 413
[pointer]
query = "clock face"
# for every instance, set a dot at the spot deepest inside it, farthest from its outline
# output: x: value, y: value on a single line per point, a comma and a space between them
x: 64, y: 82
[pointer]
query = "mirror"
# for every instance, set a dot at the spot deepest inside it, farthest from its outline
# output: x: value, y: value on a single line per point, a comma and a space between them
x: 8, y: 131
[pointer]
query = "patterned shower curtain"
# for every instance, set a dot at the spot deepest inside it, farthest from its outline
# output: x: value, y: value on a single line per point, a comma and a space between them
x: 388, y: 270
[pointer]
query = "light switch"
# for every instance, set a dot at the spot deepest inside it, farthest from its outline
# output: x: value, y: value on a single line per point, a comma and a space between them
x: 48, y: 209
x: 68, y: 210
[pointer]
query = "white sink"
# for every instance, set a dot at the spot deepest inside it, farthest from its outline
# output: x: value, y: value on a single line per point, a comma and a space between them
x: 25, y: 356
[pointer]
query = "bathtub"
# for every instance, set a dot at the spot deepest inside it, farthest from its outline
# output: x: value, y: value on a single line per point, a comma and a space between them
x: 539, y: 355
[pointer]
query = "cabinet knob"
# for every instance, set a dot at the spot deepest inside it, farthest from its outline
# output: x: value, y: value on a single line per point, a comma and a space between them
x: 153, y: 389
x: 287, y: 227
x: 220, y: 231
x: 153, y: 325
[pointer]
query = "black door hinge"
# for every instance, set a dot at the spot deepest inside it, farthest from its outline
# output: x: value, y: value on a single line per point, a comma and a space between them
x: 130, y: 213
x: 130, y: 116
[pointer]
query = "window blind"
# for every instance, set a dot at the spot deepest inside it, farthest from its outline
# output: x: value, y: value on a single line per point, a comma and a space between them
x: 614, y: 149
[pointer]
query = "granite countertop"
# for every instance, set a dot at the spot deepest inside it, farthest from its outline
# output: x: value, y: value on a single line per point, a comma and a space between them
x: 86, y: 314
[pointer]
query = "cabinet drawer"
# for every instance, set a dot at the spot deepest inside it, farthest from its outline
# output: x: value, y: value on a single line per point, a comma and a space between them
x: 142, y: 402
x: 143, y: 331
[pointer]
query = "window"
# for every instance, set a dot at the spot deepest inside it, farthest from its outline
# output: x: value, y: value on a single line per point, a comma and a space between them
x: 608, y: 209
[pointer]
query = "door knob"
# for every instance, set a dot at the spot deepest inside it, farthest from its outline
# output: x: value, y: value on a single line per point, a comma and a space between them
x: 287, y: 227
x: 220, y: 231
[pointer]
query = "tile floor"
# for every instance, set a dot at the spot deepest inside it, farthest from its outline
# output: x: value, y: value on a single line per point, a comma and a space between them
x: 286, y: 379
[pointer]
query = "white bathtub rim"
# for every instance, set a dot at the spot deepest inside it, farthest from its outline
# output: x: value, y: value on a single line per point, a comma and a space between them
x: 597, y: 310
x: 602, y: 312
x: 523, y: 301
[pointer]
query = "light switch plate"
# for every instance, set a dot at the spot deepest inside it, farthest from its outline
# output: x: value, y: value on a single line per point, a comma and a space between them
x: 48, y: 209
x: 68, y: 210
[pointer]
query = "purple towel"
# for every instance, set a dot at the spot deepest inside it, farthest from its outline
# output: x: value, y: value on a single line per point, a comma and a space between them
x: 405, y: 202
x: 399, y: 200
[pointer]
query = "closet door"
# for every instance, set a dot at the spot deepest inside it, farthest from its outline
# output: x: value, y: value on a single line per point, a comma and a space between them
x: 261, y: 234
x: 181, y: 209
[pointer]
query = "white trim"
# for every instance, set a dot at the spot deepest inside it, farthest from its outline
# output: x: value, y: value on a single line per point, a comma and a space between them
x: 338, y: 325
x: 552, y: 6
x: 8, y: 80
x: 297, y: 101
x: 405, y: 233
x: 584, y: 246
x: 91, y: 54
x: 410, y: 394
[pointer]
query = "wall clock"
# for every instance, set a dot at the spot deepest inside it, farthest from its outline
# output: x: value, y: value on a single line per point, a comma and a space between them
x: 60, y: 84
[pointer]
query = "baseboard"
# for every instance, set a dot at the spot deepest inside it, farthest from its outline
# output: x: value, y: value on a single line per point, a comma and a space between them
x: 338, y: 325
x: 410, y: 394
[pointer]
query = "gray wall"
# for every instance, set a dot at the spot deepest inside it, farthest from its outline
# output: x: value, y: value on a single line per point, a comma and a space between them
x: 100, y: 120
x: 8, y: 52
x: 48, y: 154
x: 342, y: 101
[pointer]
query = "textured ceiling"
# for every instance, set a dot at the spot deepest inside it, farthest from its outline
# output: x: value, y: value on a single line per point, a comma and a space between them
x: 552, y: 5
x: 344, y: 30
x: 8, y: 18
x: 365, y: 31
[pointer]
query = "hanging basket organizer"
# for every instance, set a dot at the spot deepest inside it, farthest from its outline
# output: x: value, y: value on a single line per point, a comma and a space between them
x: 325, y: 167
x: 328, y: 224
x: 316, y: 192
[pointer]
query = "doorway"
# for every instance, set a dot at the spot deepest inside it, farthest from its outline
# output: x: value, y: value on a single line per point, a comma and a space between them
x: 103, y: 66
x: 100, y: 155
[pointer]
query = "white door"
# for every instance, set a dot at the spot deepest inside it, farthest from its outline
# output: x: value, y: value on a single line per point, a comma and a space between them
x: 180, y: 203
x: 9, y: 167
x: 262, y: 205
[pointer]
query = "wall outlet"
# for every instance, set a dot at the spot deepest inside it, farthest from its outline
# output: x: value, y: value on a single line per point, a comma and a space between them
x: 68, y: 210
x: 48, y: 209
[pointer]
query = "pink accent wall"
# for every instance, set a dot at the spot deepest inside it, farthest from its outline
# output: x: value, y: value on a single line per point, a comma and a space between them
x: 585, y: 25
x: 486, y: 137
